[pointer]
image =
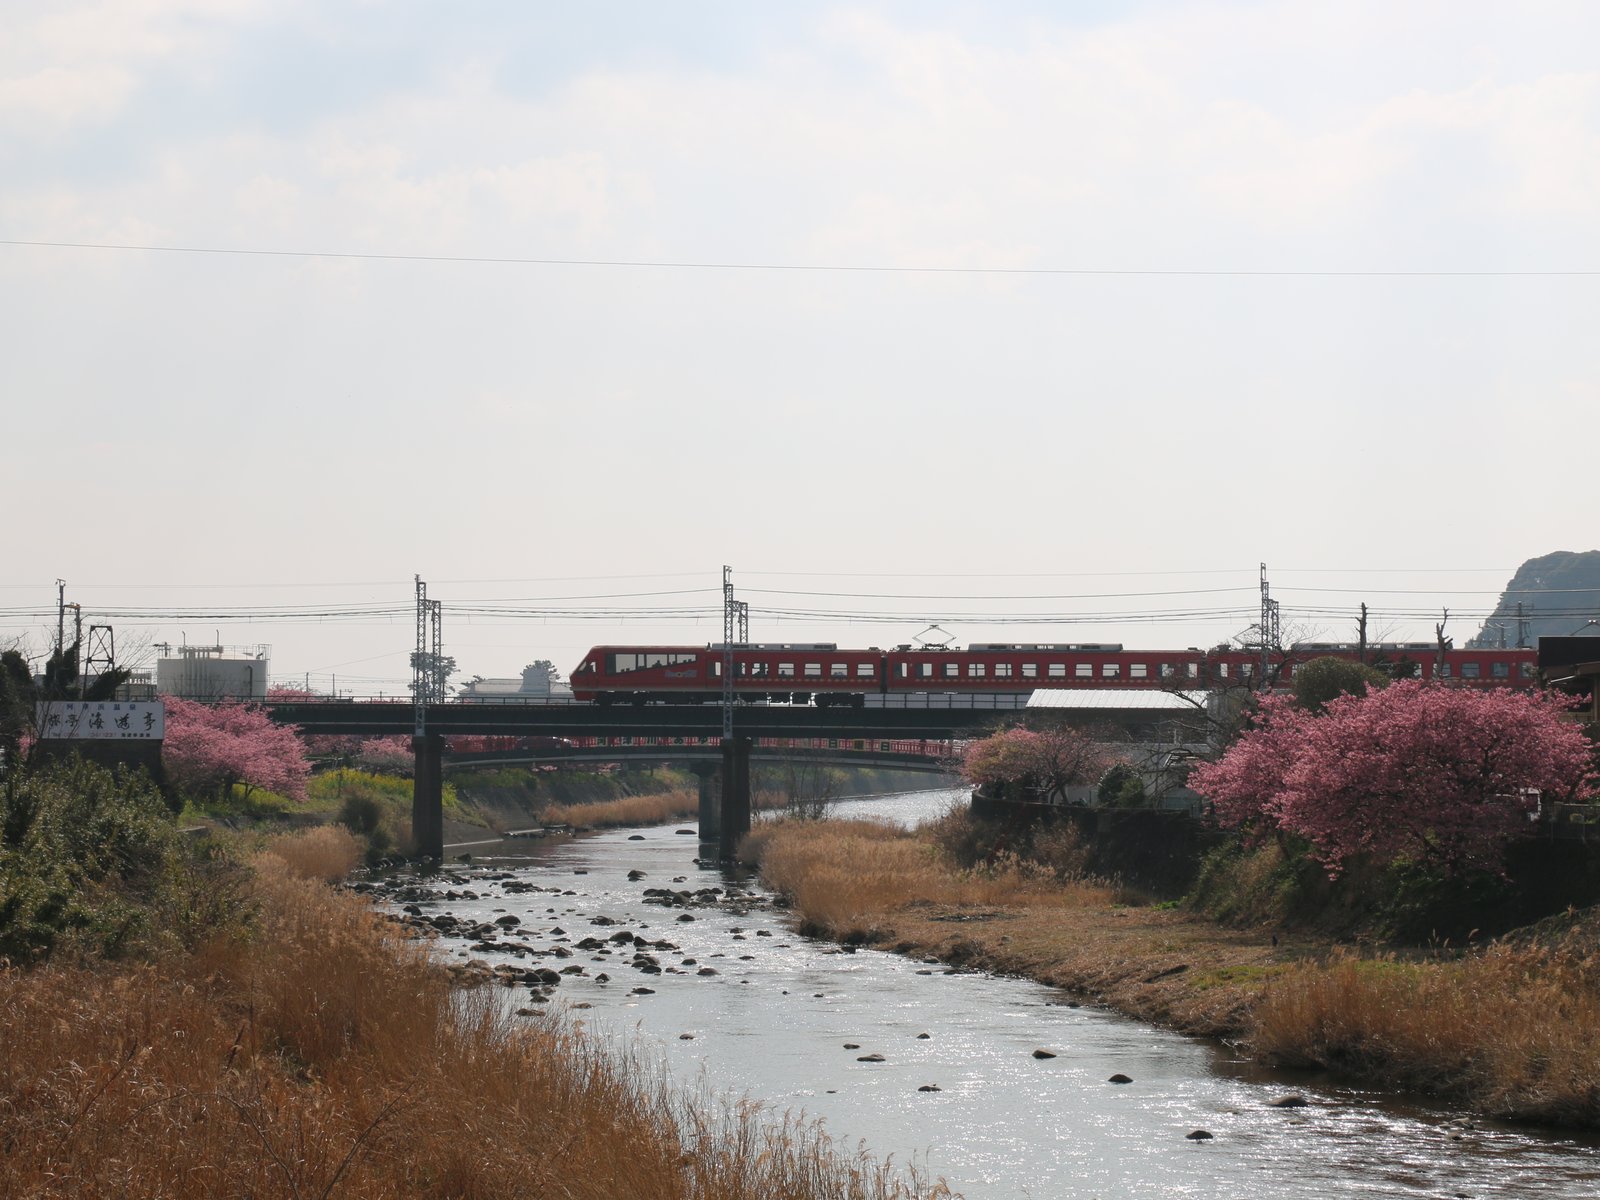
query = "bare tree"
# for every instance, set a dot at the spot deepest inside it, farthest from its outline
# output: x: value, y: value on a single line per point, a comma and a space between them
x: 809, y: 787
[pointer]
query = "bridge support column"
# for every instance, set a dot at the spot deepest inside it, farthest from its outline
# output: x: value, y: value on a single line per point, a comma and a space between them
x: 710, y: 817
x: 427, y: 797
x: 734, y: 820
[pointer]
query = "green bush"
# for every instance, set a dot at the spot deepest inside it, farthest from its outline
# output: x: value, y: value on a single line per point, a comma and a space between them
x: 91, y: 860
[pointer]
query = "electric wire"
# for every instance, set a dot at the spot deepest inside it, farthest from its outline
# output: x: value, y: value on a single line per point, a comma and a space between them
x: 814, y: 268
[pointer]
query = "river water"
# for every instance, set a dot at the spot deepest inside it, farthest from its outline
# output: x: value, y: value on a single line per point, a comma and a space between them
x: 774, y: 1018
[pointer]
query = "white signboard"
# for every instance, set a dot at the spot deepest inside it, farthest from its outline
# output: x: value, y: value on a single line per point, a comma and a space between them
x: 102, y: 720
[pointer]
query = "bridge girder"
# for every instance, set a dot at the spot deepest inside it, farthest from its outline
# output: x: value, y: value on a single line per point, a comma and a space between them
x: 379, y: 718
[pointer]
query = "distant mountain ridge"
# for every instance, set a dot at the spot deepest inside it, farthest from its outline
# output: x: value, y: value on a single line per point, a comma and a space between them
x: 1559, y: 593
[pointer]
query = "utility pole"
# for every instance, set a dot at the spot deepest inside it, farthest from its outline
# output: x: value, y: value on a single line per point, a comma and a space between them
x: 1271, y: 630
x: 1522, y: 628
x: 427, y: 663
x: 1361, y: 631
x: 734, y: 818
x: 729, y: 629
x: 427, y: 684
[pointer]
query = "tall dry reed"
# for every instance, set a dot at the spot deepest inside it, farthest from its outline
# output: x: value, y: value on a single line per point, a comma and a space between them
x: 324, y: 1056
x: 846, y: 877
x: 327, y: 852
x: 654, y: 809
x: 1511, y: 1030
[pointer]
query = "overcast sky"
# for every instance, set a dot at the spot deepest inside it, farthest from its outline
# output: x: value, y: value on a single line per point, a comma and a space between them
x: 1310, y: 284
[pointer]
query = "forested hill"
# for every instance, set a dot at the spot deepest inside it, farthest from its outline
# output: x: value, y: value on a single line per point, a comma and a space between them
x: 1571, y: 581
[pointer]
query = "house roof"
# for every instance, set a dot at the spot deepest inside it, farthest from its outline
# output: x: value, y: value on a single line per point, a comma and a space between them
x: 1125, y: 699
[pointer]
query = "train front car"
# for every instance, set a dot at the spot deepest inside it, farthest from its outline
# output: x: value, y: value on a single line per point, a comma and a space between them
x: 783, y: 673
x: 640, y: 674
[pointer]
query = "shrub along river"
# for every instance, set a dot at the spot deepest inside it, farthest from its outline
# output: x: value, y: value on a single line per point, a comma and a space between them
x: 727, y: 995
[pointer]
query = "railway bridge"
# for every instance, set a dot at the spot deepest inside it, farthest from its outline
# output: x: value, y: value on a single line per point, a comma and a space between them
x: 696, y: 730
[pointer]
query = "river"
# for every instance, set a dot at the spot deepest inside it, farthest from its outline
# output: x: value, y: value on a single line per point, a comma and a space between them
x: 774, y: 1019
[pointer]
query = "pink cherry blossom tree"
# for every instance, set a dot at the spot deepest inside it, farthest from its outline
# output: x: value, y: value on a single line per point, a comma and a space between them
x: 392, y: 755
x: 211, y: 747
x: 1425, y: 772
x: 1044, y: 762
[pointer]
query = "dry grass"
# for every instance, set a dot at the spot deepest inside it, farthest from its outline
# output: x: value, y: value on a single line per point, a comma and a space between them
x: 847, y: 878
x: 324, y: 1056
x: 627, y: 810
x: 328, y: 852
x: 1510, y: 1029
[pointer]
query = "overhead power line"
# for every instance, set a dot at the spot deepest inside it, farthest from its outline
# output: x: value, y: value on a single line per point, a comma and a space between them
x: 845, y: 268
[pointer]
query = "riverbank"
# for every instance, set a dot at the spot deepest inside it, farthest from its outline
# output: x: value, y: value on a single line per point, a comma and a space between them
x: 322, y: 1050
x: 1506, y: 1030
x: 188, y: 1017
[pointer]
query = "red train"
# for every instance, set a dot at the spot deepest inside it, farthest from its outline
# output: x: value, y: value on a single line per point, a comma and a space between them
x: 823, y: 674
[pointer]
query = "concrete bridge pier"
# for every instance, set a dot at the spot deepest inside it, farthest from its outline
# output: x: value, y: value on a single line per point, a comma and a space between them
x: 427, y: 797
x: 706, y: 775
x: 734, y: 819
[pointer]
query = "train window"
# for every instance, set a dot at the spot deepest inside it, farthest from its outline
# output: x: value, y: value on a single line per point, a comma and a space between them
x: 952, y: 670
x: 785, y: 670
x: 1110, y: 670
x: 1058, y: 670
x: 1002, y: 670
x: 1526, y: 671
x: 924, y: 670
x: 760, y: 670
x: 976, y: 670
x: 1138, y: 670
x: 1471, y: 670
x: 1168, y: 670
x: 621, y: 663
x: 1222, y: 670
x: 1084, y: 671
x: 1442, y: 671
x: 813, y: 670
x: 1030, y: 670
x: 1194, y: 670
x: 1500, y: 670
x: 866, y: 670
x: 839, y: 670
x: 902, y: 669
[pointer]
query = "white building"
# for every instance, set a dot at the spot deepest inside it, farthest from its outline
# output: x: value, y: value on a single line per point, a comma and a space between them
x: 214, y: 673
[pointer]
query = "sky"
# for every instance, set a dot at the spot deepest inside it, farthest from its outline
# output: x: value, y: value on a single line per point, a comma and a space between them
x: 1025, y: 319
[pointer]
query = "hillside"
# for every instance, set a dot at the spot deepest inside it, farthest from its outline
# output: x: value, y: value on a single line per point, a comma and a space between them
x: 1570, y: 585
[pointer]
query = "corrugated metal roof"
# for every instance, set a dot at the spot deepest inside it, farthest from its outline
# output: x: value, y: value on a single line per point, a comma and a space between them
x: 1145, y: 699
